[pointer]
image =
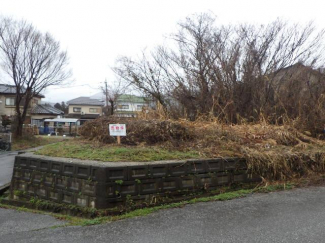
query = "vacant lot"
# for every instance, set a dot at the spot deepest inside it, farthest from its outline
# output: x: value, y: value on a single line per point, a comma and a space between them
x: 81, y: 149
x: 273, y: 152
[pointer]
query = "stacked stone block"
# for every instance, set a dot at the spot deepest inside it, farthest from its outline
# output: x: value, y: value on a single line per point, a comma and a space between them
x: 99, y: 185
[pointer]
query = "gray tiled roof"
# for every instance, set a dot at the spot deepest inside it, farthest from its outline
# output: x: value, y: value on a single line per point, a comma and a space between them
x: 85, y: 101
x: 11, y: 89
x: 46, y: 109
x: 7, y: 89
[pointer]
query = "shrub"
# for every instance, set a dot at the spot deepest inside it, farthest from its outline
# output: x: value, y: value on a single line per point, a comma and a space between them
x: 138, y: 131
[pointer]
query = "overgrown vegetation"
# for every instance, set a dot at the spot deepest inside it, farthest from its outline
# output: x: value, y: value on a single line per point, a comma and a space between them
x: 235, y: 73
x: 148, y: 132
x: 5, y: 121
x: 272, y: 152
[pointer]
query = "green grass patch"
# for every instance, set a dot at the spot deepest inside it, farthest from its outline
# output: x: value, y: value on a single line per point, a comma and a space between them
x: 146, y: 211
x: 73, y: 149
x: 91, y: 222
x: 275, y: 187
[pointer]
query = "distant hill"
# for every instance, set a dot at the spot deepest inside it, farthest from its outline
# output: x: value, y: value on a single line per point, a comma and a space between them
x: 98, y: 96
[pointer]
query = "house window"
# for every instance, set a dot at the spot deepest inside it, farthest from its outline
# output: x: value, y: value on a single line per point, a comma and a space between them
x: 37, y: 122
x: 139, y: 107
x: 93, y: 110
x: 123, y: 107
x: 10, y: 101
x: 76, y: 109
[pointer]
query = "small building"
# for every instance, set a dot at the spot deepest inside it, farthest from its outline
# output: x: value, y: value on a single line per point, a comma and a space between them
x: 85, y: 108
x: 41, y: 112
x: 60, y: 125
x: 60, y: 122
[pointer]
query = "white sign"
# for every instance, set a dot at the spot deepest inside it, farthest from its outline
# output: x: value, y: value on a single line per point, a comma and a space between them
x: 117, y: 129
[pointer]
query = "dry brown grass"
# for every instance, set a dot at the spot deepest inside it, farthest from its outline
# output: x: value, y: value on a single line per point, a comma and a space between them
x: 276, y: 165
x: 273, y: 152
x: 149, y: 132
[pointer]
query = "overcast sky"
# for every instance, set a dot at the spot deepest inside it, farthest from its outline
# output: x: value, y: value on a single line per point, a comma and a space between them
x: 96, y: 32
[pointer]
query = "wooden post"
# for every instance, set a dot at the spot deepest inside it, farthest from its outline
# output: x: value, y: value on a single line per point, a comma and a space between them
x: 118, y: 138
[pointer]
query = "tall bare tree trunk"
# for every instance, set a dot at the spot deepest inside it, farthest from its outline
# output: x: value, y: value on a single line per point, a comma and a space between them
x: 112, y: 107
x: 33, y: 60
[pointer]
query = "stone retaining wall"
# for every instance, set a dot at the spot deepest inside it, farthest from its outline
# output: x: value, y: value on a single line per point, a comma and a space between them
x: 105, y: 184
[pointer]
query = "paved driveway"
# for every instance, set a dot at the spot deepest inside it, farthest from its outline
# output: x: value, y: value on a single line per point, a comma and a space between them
x: 6, y: 167
x: 290, y: 216
x: 7, y: 160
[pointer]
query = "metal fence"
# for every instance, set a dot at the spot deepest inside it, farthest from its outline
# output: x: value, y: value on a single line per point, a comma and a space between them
x: 59, y: 130
x: 70, y: 130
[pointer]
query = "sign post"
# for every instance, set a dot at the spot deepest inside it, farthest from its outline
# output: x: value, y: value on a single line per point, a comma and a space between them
x: 117, y: 130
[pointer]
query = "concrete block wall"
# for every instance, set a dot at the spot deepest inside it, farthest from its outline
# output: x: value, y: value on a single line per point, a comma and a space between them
x: 101, y: 185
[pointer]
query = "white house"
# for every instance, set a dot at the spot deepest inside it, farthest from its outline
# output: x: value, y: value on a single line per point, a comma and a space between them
x: 127, y: 105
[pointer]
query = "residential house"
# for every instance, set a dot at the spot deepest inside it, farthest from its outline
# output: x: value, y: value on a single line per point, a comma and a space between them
x: 8, y: 102
x: 85, y: 108
x: 128, y: 105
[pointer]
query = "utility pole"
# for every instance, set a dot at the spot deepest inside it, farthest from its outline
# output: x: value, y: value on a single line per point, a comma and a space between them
x: 106, y: 93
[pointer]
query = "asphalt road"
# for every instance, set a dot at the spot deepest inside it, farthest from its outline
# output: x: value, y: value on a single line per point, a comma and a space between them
x: 6, y: 167
x: 7, y: 160
x: 291, y: 216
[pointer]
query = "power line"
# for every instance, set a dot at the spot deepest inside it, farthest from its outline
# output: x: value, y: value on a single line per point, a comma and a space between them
x: 81, y: 85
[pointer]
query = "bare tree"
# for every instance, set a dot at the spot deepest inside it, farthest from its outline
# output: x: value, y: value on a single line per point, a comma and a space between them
x: 229, y: 71
x: 33, y: 60
x: 62, y: 106
x: 111, y: 94
x: 145, y: 76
